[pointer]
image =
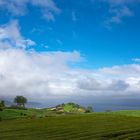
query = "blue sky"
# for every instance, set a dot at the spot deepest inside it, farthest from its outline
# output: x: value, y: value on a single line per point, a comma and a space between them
x: 81, y: 26
x: 88, y: 42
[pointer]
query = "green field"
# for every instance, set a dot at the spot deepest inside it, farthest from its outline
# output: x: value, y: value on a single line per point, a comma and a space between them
x: 100, y: 126
x: 135, y: 113
x: 17, y: 113
x: 63, y: 109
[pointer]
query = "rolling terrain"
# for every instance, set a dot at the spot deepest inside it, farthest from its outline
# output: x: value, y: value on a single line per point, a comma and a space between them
x: 117, y: 125
x: 62, y: 109
x: 73, y: 127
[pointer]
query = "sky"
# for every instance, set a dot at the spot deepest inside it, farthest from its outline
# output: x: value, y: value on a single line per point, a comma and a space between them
x: 55, y: 51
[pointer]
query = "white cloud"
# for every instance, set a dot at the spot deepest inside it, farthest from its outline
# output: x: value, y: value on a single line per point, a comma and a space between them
x: 15, y: 7
x: 49, y: 8
x: 118, y: 85
x: 123, y: 71
x: 10, y: 36
x: 118, y: 10
x: 90, y: 83
x: 36, y: 74
x: 116, y: 15
x: 43, y: 75
x: 20, y: 7
x: 29, y: 42
x: 103, y: 85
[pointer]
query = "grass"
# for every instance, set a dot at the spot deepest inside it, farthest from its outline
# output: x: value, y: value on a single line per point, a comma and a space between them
x: 62, y: 109
x: 17, y: 113
x: 135, y: 113
x: 37, y: 113
x: 70, y: 108
x: 75, y: 127
x: 115, y: 125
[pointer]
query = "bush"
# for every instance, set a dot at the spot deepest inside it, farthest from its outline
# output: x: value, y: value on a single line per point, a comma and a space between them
x: 0, y: 119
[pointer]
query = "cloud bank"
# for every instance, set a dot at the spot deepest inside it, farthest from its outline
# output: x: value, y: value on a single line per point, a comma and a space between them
x: 42, y: 75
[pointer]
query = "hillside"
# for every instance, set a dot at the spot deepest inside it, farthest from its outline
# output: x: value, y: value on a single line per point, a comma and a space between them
x: 38, y: 124
x: 62, y: 109
x: 134, y: 113
x: 18, y: 113
x: 68, y: 108
x: 73, y: 127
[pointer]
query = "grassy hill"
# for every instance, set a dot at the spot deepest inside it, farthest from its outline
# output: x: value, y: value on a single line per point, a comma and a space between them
x: 17, y: 113
x: 62, y: 109
x: 56, y: 123
x: 73, y: 127
x: 135, y: 113
x: 131, y: 113
x: 69, y: 108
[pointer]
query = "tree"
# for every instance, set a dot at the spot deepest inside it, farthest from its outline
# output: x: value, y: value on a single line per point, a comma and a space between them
x: 20, y: 101
x: 2, y: 105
